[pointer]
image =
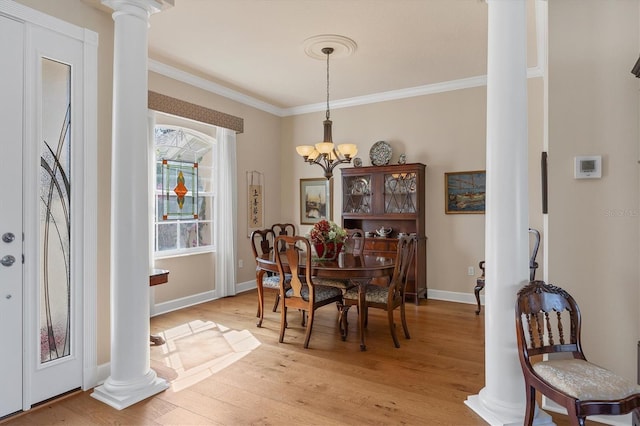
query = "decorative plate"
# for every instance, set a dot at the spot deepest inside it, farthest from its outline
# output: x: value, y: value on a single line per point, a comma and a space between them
x: 380, y: 153
x: 360, y: 186
x: 357, y: 162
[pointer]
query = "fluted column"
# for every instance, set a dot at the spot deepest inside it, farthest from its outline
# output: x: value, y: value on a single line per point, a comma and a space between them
x: 502, y: 400
x: 131, y: 378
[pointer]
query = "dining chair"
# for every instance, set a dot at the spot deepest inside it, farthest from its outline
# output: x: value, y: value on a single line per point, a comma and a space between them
x: 548, y: 324
x: 262, y: 242
x: 354, y: 243
x: 533, y: 265
x: 283, y: 229
x: 389, y: 297
x: 301, y: 293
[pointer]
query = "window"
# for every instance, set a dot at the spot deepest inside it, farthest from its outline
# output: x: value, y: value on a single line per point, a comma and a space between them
x: 184, y: 191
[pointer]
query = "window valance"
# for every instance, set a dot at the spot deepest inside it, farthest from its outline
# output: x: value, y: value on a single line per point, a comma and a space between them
x: 169, y: 105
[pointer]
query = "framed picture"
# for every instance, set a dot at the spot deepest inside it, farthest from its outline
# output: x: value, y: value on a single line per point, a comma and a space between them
x: 464, y: 192
x: 316, y: 196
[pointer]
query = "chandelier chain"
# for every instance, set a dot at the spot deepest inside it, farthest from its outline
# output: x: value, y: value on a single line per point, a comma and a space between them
x: 328, y: 114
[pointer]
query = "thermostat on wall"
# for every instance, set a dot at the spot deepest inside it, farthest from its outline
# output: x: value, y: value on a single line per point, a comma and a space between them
x: 588, y: 167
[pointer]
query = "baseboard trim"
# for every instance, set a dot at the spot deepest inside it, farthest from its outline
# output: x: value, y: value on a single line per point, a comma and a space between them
x: 183, y: 302
x: 453, y: 296
x: 174, y: 305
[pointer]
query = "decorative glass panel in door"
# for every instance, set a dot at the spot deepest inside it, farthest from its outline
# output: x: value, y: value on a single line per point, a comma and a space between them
x: 400, y: 192
x: 55, y: 208
x: 356, y: 194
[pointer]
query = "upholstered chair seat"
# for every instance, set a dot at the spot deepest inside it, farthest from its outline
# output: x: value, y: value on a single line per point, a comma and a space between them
x: 274, y: 281
x: 585, y: 381
x: 322, y: 293
x: 328, y: 282
x: 373, y: 294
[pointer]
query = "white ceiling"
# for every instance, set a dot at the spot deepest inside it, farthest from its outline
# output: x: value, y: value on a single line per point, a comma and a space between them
x: 256, y: 47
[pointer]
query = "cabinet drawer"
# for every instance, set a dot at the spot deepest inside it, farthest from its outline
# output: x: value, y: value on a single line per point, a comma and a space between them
x: 380, y: 245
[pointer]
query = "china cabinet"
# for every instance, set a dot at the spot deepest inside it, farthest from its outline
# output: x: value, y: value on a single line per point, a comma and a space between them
x: 379, y: 198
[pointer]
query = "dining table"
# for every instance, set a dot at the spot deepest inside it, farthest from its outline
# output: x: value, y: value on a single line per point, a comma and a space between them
x: 358, y: 269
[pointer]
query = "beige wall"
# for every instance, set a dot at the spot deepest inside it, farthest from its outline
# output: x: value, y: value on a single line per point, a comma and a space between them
x: 445, y: 131
x: 593, y: 224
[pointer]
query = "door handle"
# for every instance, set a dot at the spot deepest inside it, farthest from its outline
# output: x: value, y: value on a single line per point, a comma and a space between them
x: 8, y: 237
x: 8, y: 260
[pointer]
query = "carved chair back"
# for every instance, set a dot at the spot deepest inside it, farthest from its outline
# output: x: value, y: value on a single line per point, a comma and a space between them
x: 533, y: 266
x: 548, y: 321
x: 283, y: 229
x: 354, y: 243
x: 262, y: 241
x: 404, y: 256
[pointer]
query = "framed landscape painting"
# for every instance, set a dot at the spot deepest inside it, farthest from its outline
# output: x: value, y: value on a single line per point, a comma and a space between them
x: 465, y: 192
x: 315, y: 200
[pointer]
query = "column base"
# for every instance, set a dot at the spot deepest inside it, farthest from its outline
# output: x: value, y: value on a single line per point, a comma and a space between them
x: 496, y: 418
x: 125, y: 397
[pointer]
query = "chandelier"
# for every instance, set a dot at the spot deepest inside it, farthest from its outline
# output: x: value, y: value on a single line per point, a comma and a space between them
x: 325, y: 153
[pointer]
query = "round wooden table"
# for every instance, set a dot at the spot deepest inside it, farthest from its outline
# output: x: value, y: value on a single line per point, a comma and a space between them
x: 360, y: 268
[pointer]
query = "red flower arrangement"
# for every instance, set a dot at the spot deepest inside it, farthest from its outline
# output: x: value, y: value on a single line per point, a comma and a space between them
x: 327, y: 238
x: 326, y: 232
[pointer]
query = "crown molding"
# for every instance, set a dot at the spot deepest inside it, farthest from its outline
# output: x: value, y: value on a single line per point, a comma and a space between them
x: 429, y: 89
x: 391, y: 95
x: 201, y: 83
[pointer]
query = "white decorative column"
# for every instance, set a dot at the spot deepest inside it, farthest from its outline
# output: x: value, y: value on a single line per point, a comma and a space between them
x: 502, y: 400
x: 131, y: 379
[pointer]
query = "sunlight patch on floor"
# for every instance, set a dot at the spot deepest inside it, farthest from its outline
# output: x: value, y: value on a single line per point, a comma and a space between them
x: 198, y: 349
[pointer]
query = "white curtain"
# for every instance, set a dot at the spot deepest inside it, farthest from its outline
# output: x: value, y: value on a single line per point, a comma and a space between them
x: 151, y: 193
x: 226, y: 213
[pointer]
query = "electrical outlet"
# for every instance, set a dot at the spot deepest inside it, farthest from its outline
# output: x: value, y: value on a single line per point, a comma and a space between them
x: 471, y: 271
x: 240, y: 263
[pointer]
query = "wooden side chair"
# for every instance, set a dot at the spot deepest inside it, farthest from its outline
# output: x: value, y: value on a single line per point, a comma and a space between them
x: 302, y: 293
x: 283, y: 229
x: 389, y: 297
x: 262, y: 243
x: 548, y: 322
x: 533, y: 266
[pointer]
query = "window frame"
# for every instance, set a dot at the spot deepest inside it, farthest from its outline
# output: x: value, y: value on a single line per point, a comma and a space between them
x: 211, y: 194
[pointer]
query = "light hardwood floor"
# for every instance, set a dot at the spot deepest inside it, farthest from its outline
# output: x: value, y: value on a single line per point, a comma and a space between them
x: 424, y: 382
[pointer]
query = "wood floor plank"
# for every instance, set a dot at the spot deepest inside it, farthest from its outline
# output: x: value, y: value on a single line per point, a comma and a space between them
x: 425, y: 381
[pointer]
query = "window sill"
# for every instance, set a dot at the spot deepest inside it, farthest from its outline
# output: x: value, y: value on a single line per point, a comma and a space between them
x: 168, y: 254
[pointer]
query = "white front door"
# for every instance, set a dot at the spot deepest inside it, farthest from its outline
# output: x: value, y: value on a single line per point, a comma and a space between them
x: 11, y: 300
x: 43, y: 184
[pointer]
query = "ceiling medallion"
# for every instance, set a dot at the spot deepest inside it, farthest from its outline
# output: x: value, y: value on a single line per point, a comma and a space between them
x: 342, y: 46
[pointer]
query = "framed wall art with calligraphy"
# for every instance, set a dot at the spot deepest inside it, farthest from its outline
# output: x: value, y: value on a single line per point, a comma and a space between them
x: 255, y: 201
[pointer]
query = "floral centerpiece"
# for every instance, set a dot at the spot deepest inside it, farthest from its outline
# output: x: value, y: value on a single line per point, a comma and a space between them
x: 327, y: 238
